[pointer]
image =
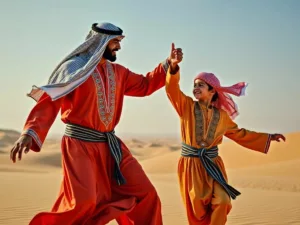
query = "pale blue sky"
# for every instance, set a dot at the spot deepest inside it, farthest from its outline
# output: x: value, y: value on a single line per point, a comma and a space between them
x: 254, y: 41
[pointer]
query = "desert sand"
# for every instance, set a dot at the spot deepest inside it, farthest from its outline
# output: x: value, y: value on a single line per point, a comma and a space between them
x: 270, y: 184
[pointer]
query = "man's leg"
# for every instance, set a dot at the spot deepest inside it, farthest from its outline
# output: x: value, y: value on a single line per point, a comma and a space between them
x: 77, y: 198
x: 221, y: 205
x: 148, y: 208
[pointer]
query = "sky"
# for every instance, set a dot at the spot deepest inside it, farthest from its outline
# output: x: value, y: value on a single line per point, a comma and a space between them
x: 253, y: 41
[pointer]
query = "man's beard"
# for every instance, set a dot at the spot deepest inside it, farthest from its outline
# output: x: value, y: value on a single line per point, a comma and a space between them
x: 108, y: 55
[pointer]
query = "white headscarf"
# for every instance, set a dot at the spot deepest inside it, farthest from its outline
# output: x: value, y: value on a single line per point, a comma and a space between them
x: 74, y: 69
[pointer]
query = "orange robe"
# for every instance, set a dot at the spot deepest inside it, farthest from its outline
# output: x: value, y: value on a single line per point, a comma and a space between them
x: 205, y: 200
x: 89, y: 193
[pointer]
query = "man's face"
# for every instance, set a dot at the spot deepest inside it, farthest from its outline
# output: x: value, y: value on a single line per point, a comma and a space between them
x: 110, y: 51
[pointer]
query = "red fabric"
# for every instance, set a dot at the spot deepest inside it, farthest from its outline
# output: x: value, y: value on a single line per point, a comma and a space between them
x: 89, y: 194
x: 224, y: 101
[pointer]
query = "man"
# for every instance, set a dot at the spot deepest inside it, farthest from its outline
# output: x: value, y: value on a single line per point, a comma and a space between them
x: 102, y: 180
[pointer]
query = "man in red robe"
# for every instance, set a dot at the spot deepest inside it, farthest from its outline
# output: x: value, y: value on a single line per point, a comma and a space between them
x: 102, y: 180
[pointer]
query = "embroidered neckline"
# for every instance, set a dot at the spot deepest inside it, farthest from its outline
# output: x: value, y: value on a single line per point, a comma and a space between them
x: 205, y: 135
x: 106, y: 96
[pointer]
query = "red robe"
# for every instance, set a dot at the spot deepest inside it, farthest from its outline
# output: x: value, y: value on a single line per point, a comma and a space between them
x: 89, y: 193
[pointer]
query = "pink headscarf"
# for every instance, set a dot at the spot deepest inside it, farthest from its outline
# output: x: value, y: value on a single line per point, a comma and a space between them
x: 224, y: 100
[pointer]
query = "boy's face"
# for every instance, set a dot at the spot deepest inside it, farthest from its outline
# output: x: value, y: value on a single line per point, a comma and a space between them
x: 201, y: 90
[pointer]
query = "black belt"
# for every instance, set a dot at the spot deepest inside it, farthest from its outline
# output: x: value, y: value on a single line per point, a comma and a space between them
x: 90, y: 135
x: 206, y: 156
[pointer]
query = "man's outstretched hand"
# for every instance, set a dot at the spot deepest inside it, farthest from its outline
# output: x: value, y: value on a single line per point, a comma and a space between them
x: 24, y: 143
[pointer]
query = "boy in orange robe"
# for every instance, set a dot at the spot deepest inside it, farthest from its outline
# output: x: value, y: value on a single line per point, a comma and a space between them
x: 102, y: 180
x: 202, y: 176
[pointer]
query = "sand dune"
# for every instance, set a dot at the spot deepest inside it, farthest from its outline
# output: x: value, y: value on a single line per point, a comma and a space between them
x: 289, y: 168
x: 236, y: 156
x: 270, y: 184
x: 53, y: 159
x: 143, y: 150
x: 8, y: 137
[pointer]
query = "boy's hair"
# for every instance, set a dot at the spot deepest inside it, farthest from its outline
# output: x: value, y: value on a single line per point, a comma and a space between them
x: 215, y: 97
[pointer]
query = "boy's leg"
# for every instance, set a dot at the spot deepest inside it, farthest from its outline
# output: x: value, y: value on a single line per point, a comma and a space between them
x: 195, y: 193
x: 220, y: 205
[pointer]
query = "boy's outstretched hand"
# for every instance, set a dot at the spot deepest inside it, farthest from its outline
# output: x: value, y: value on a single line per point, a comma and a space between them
x: 175, y: 58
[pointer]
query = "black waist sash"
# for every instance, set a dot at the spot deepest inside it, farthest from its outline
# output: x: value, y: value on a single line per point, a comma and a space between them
x: 90, y: 135
x: 206, y: 156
